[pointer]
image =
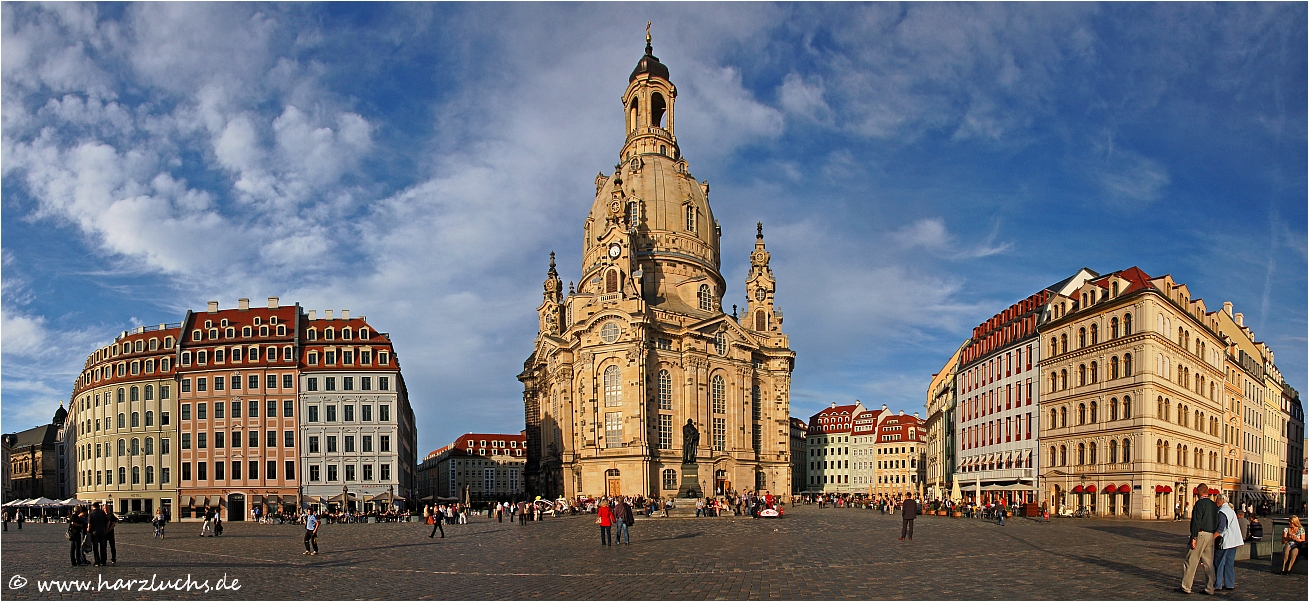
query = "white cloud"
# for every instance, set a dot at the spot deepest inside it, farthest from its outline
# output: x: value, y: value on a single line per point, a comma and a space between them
x: 930, y: 234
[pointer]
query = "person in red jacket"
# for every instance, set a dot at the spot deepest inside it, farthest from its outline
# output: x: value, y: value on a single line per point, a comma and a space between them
x: 605, y: 518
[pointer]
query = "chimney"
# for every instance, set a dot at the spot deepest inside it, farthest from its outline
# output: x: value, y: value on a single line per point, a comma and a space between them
x: 1227, y: 307
x: 902, y: 412
x: 345, y: 314
x: 243, y: 304
x: 883, y: 407
x: 272, y: 303
x: 327, y: 313
x: 833, y: 404
x: 1240, y: 319
x: 213, y: 307
x: 313, y: 314
x: 916, y: 415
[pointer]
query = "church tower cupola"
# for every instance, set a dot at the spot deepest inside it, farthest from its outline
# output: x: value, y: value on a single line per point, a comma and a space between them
x: 761, y: 314
x: 648, y: 104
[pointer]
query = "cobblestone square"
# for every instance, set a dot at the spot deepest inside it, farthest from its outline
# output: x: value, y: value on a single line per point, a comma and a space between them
x: 810, y: 554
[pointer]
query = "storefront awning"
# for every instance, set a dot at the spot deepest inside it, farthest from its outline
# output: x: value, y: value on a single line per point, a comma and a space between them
x: 1089, y: 488
x: 185, y: 501
x: 1077, y: 489
x: 256, y: 499
x: 1124, y: 488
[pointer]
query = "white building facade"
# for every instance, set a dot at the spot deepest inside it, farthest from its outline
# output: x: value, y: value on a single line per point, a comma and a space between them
x: 358, y: 429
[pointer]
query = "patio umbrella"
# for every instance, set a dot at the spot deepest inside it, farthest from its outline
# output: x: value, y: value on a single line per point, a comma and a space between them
x: 385, y: 497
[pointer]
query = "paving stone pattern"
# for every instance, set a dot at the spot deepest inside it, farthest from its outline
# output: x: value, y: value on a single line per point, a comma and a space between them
x: 810, y: 554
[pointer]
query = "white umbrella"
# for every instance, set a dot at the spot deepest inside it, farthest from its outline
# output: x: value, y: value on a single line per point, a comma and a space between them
x: 72, y: 501
x: 44, y: 502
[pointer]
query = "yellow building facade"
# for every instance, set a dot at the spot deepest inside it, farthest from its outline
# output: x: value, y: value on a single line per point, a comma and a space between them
x: 1132, y: 403
x: 642, y: 348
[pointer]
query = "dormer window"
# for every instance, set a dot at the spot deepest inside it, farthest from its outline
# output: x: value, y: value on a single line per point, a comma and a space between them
x: 329, y: 333
x: 706, y: 298
x: 345, y: 333
x: 246, y: 331
x: 690, y: 218
x: 363, y: 334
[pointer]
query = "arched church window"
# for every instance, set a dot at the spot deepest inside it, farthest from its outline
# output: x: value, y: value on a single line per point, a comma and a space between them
x: 631, y: 116
x: 718, y: 394
x: 613, y: 387
x: 706, y: 298
x: 690, y: 218
x: 720, y: 343
x: 665, y: 390
x: 611, y: 281
x: 633, y: 213
x: 760, y: 320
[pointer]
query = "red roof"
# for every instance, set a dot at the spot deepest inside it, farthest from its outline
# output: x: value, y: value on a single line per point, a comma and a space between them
x: 832, y: 420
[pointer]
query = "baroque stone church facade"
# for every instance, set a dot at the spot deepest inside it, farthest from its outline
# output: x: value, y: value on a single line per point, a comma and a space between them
x: 642, y: 345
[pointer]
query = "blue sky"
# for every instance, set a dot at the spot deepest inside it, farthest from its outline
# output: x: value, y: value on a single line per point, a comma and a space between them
x: 917, y: 167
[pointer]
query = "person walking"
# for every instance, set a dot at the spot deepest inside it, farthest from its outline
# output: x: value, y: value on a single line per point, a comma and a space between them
x: 668, y: 505
x: 98, y: 526
x: 908, y: 512
x: 6, y: 519
x: 77, y: 525
x: 207, y: 527
x: 999, y: 514
x: 1229, y: 539
x: 499, y: 513
x: 624, y: 519
x: 1293, y: 541
x: 1204, y: 522
x: 604, y: 518
x: 437, y: 519
x: 22, y: 518
x: 311, y: 534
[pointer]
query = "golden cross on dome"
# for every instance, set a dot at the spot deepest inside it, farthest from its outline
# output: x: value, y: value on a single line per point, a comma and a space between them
x: 647, y: 32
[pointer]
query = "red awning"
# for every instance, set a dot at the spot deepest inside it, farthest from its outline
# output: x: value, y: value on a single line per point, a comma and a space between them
x: 1168, y: 488
x: 1158, y: 488
x: 1090, y: 489
x: 1124, y: 488
x: 1077, y: 489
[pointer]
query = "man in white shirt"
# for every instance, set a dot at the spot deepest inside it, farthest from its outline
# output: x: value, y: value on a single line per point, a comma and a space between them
x: 1229, y: 532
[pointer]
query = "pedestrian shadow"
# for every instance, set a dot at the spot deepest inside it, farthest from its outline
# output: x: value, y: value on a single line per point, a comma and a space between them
x: 1135, y: 533
x: 690, y: 535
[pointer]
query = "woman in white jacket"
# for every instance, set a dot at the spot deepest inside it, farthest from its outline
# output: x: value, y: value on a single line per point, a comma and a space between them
x: 1225, y: 553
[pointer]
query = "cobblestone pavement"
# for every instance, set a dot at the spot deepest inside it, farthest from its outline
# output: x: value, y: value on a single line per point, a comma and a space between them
x: 810, y: 554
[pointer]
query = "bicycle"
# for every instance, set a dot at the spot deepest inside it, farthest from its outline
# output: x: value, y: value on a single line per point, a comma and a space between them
x: 1082, y: 513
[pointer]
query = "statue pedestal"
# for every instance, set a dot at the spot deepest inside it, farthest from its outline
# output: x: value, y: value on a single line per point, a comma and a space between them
x: 690, y: 482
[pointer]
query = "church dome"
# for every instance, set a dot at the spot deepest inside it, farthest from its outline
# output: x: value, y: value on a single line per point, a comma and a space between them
x: 649, y: 64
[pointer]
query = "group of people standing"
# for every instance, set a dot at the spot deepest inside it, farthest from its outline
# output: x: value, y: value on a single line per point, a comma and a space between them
x: 97, y: 526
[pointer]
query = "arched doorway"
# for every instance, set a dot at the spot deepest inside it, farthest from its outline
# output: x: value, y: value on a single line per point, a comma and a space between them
x: 235, y: 507
x: 613, y: 483
x: 721, y: 484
